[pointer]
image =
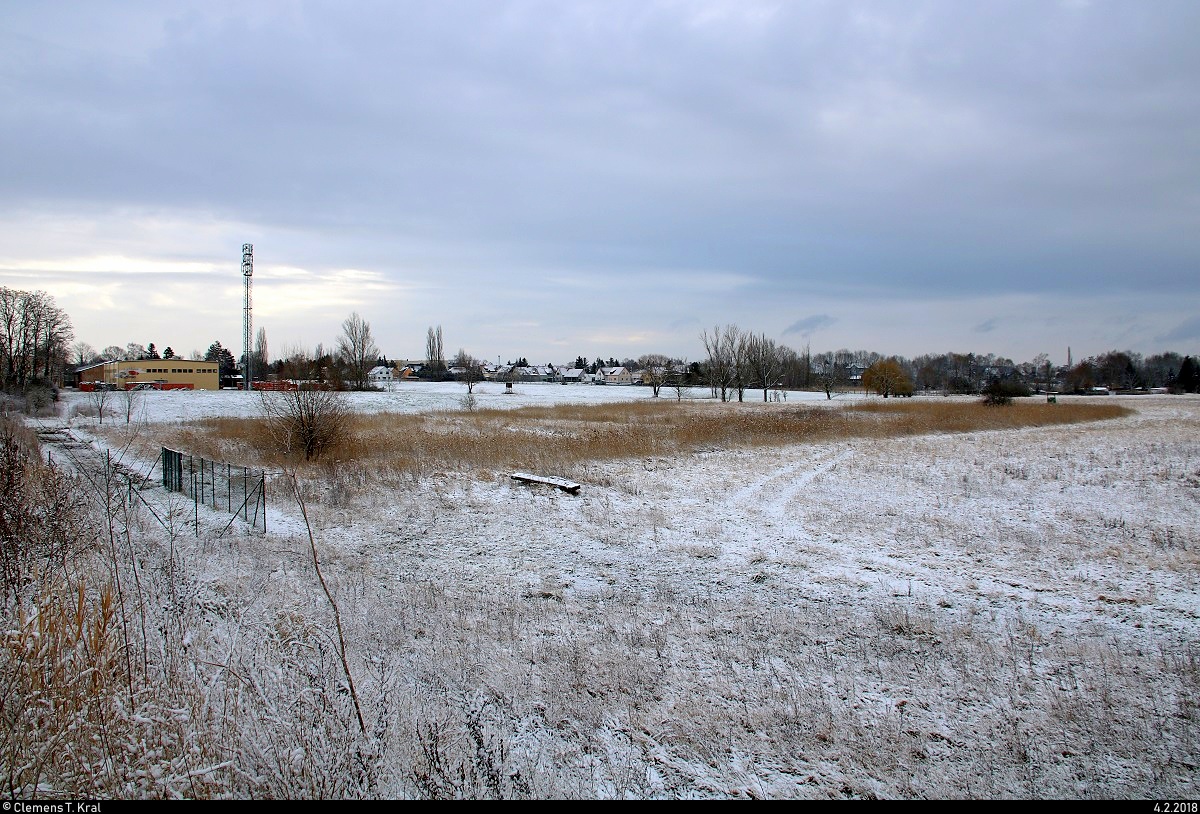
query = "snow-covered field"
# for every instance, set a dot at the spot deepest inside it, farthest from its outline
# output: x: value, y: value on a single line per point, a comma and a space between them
x: 403, y: 397
x: 994, y: 614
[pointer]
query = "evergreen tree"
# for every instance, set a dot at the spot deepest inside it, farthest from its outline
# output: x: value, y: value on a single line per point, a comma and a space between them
x: 1188, y: 380
x: 223, y: 357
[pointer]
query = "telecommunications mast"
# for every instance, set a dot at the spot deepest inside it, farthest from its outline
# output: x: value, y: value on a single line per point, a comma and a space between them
x: 247, y: 319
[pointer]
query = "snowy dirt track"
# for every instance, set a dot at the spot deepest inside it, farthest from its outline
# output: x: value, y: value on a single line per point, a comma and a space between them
x: 992, y: 614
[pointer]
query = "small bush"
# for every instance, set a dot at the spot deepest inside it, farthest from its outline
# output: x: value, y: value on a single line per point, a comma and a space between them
x: 999, y: 393
x: 995, y: 396
x: 40, y: 395
x: 308, y: 420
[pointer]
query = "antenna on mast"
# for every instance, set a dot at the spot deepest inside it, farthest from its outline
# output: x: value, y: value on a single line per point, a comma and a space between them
x: 247, y: 317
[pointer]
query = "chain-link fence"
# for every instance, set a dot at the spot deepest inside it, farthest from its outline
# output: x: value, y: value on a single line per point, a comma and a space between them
x: 237, y: 490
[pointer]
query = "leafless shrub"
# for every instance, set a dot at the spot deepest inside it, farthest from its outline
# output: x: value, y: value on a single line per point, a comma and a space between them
x: 41, y: 514
x: 308, y: 420
x: 130, y: 400
x: 39, y: 400
x: 10, y: 403
x: 98, y: 400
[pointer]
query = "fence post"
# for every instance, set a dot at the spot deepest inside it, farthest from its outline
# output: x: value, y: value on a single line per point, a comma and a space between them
x: 195, y: 503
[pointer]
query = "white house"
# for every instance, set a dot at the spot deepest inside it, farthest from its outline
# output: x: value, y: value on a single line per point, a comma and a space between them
x: 615, y: 375
x: 381, y: 374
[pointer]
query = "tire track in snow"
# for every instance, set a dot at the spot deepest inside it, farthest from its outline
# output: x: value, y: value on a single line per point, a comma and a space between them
x: 786, y: 484
x: 775, y: 497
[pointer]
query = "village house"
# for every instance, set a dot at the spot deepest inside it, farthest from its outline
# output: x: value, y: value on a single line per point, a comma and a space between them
x: 381, y: 374
x: 615, y: 375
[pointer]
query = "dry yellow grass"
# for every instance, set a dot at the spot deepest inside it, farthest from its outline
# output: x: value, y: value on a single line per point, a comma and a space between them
x: 555, y: 440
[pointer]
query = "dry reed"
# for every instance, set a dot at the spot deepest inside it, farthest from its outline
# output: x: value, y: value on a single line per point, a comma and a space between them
x: 557, y: 440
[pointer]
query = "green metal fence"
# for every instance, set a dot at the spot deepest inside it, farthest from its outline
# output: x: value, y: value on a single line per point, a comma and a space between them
x: 236, y: 490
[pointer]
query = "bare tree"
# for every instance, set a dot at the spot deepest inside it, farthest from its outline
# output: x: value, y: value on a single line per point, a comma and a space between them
x: 130, y: 400
x: 310, y: 418
x: 718, y: 365
x: 357, y: 350
x: 727, y: 366
x: 679, y: 377
x: 12, y: 336
x: 763, y: 361
x: 83, y: 354
x: 435, y: 355
x: 54, y: 340
x: 470, y: 369
x: 736, y: 348
x: 98, y: 400
x: 830, y: 374
x: 656, y: 370
x: 795, y: 369
x: 35, y: 337
x: 262, y: 357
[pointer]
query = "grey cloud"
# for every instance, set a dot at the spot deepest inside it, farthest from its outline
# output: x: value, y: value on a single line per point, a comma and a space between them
x: 809, y: 325
x: 884, y: 151
x: 683, y: 322
x: 1186, y: 330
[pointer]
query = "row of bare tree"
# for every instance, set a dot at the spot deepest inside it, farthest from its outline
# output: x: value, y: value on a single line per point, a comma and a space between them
x: 35, y: 337
x: 737, y: 360
x: 347, y: 366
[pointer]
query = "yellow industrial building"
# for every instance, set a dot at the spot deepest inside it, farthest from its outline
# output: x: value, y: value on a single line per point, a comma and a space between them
x: 159, y: 374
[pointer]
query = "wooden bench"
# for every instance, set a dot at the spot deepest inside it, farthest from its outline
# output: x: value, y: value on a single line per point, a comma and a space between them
x: 566, y: 485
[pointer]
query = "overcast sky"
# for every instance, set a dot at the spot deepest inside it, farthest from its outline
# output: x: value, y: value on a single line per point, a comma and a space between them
x: 612, y: 178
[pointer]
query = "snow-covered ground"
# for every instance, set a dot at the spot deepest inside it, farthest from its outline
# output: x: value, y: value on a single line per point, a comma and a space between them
x: 402, y: 397
x: 993, y: 614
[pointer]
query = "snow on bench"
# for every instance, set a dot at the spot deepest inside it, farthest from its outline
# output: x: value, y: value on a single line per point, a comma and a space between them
x: 561, y: 483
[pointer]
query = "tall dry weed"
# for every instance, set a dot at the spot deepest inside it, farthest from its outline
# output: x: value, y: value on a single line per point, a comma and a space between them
x: 563, y: 439
x: 41, y: 514
x: 62, y: 673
